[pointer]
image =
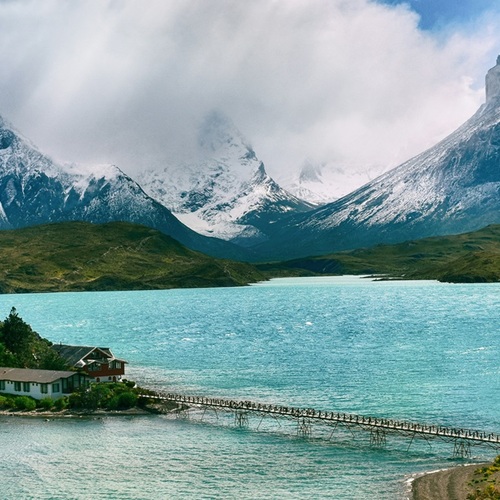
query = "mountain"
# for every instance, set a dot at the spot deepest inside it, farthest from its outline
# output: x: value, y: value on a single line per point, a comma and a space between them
x: 451, y: 188
x: 226, y: 192
x: 77, y: 256
x: 36, y: 190
x: 322, y: 183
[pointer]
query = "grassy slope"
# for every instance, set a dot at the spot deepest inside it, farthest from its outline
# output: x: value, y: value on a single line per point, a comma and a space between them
x: 470, y: 257
x: 115, y: 256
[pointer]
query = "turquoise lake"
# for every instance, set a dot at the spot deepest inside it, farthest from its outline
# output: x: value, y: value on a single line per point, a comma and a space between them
x: 418, y: 351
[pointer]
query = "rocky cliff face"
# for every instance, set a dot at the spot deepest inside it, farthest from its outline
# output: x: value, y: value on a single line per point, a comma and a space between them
x: 453, y: 187
x: 493, y: 84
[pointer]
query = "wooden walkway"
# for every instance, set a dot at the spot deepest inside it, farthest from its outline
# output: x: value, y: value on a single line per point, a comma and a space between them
x: 379, y: 427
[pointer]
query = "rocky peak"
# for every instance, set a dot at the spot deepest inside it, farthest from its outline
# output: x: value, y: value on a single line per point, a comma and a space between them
x: 217, y: 133
x: 493, y: 84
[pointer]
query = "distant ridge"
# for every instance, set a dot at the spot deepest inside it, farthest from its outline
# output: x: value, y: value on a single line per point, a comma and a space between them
x: 80, y: 256
x: 464, y: 258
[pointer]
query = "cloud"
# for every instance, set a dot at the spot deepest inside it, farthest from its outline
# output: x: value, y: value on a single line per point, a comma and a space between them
x: 350, y: 82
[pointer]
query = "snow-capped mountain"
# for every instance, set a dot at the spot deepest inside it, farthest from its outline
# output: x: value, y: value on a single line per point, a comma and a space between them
x: 36, y: 190
x: 453, y: 187
x: 226, y: 192
x: 322, y: 183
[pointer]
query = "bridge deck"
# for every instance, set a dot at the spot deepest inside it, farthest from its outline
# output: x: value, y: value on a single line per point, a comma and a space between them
x: 349, y: 419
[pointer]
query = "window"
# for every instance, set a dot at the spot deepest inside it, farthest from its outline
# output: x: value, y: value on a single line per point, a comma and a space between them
x: 17, y: 386
x: 26, y: 386
x: 44, y: 388
x: 2, y: 385
x: 56, y: 388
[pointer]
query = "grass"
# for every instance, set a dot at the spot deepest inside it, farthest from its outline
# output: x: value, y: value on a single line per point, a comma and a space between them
x: 79, y: 256
x: 485, y: 483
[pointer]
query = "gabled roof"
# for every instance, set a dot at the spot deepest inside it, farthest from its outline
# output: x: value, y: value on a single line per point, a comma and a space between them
x: 31, y: 375
x: 74, y: 354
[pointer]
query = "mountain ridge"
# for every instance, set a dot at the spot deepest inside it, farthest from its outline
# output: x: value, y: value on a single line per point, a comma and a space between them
x: 36, y: 190
x: 81, y: 256
x: 225, y: 191
x: 452, y: 187
x: 472, y: 257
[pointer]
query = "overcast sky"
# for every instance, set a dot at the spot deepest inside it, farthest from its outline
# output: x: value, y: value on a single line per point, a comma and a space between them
x: 361, y: 83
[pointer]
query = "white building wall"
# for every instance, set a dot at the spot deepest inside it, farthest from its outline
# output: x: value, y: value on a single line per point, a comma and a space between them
x: 35, y: 390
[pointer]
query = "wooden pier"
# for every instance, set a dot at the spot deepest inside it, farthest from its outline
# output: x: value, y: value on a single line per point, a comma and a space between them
x: 379, y: 428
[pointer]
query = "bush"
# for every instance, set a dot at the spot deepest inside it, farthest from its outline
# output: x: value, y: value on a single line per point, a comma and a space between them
x: 61, y: 403
x: 3, y: 402
x: 490, y: 492
x: 96, y: 396
x: 25, y: 403
x: 46, y: 404
x: 10, y: 402
x: 123, y: 401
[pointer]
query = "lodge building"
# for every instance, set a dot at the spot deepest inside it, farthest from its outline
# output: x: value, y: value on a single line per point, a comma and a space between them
x: 41, y: 384
x: 89, y: 364
x: 99, y: 363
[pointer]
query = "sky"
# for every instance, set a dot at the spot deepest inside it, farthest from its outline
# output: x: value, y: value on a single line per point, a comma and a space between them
x: 358, y: 85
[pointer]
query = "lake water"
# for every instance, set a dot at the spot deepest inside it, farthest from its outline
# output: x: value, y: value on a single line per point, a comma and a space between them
x: 418, y: 351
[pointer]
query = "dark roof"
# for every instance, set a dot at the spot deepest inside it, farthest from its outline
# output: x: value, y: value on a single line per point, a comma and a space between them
x: 30, y: 375
x: 72, y: 354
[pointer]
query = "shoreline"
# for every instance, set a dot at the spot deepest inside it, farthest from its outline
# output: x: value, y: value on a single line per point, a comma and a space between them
x: 47, y: 415
x: 445, y: 484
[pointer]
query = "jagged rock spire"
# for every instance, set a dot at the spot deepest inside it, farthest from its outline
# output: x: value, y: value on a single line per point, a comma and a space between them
x: 493, y: 83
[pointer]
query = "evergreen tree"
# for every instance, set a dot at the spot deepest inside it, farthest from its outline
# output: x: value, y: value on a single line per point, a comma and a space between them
x: 17, y: 336
x: 21, y: 347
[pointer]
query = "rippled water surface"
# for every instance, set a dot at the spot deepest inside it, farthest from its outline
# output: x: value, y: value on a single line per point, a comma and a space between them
x: 420, y: 351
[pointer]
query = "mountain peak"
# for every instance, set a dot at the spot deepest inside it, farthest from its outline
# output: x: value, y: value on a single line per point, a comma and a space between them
x: 493, y: 83
x: 310, y: 172
x: 218, y: 134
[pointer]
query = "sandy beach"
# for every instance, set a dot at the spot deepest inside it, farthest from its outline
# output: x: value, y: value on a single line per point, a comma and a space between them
x: 449, y: 484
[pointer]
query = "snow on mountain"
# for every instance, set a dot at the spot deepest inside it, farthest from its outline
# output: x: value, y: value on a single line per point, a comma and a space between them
x: 321, y: 183
x: 453, y: 187
x: 36, y: 190
x: 226, y: 192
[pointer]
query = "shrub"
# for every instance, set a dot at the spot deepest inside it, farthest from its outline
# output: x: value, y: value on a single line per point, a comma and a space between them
x: 61, y: 404
x: 123, y: 401
x: 25, y: 403
x: 46, y: 404
x: 3, y: 402
x: 490, y: 492
x: 10, y: 402
x: 96, y: 396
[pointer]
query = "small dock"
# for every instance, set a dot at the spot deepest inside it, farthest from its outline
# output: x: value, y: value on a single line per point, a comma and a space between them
x: 379, y: 429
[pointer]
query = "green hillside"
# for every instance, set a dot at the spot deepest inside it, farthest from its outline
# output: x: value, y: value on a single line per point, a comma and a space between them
x: 78, y: 256
x: 469, y: 257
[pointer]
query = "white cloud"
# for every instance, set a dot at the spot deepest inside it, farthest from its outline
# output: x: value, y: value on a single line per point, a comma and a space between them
x: 348, y: 81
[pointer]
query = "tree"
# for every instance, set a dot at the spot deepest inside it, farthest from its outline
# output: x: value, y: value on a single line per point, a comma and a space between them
x: 22, y: 347
x: 17, y: 336
x: 6, y: 357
